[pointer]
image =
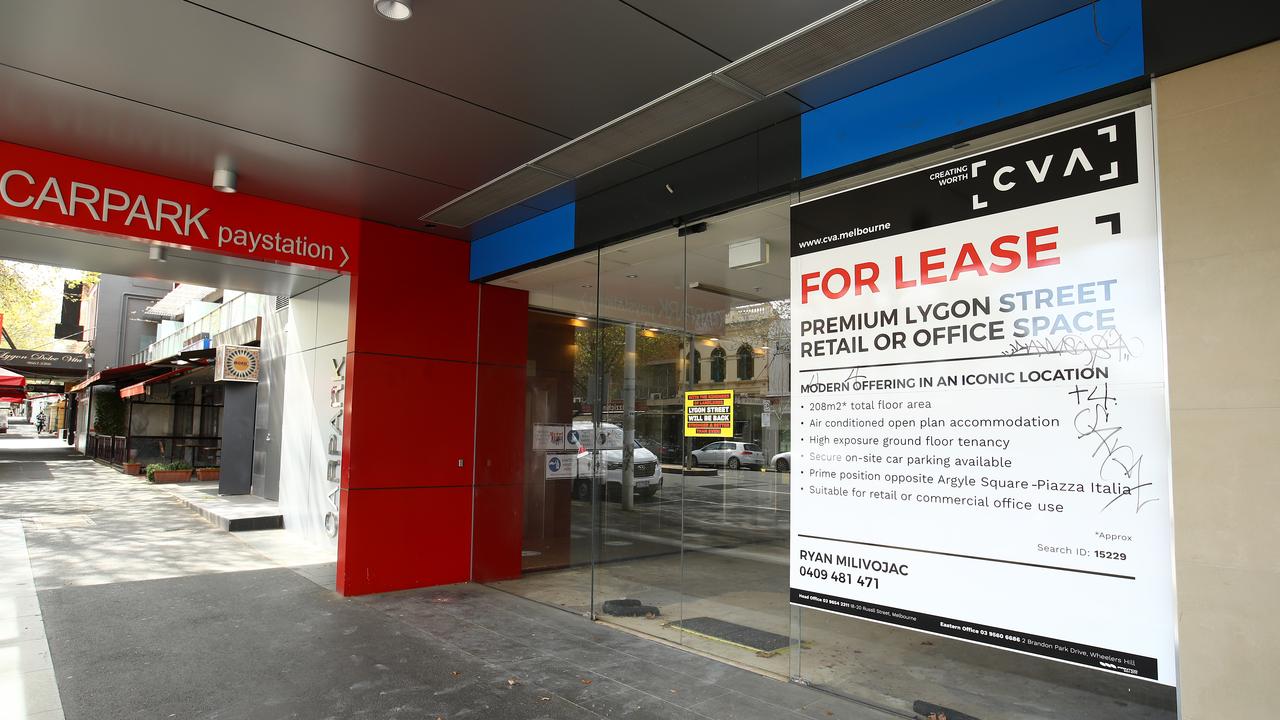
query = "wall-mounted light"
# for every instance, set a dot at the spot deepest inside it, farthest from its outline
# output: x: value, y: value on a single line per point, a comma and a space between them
x: 394, y: 9
x: 155, y: 253
x: 224, y: 175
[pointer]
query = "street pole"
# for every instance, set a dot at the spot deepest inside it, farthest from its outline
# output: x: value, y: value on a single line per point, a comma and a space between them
x: 629, y: 419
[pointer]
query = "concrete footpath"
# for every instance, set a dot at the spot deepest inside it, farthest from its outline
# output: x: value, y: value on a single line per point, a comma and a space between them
x: 118, y: 602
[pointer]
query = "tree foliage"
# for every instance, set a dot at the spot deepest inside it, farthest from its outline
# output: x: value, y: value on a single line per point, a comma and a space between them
x: 30, y: 298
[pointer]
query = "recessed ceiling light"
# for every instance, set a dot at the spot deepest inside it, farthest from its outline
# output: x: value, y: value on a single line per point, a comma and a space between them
x: 583, y: 317
x: 633, y: 276
x: 394, y: 9
x: 588, y: 285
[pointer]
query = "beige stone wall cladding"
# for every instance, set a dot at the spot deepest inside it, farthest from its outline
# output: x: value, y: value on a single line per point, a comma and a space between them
x: 1218, y: 139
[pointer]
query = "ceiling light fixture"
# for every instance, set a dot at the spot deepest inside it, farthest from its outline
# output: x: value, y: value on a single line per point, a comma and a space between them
x: 633, y: 276
x: 394, y: 9
x: 224, y: 175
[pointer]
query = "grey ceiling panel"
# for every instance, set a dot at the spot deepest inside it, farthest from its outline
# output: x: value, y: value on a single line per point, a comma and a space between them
x: 688, y: 107
x: 187, y: 58
x: 567, y: 65
x: 735, y: 28
x: 861, y: 30
x: 55, y: 116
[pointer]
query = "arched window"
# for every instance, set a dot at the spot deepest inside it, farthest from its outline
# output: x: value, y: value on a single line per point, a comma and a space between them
x: 746, y: 362
x: 697, y: 366
x: 719, y: 365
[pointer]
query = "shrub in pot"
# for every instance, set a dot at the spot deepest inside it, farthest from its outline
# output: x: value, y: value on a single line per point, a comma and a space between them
x: 173, y: 472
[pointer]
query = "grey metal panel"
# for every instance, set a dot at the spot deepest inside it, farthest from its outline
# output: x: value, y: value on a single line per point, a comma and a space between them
x: 56, y: 116
x: 568, y: 65
x: 269, y: 408
x: 734, y: 28
x: 239, y: 404
x: 186, y: 58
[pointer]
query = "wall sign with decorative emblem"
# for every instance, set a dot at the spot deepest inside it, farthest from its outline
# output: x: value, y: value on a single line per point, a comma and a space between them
x: 238, y: 363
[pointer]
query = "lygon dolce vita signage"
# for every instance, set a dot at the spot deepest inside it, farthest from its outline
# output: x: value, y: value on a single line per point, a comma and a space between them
x: 980, y: 442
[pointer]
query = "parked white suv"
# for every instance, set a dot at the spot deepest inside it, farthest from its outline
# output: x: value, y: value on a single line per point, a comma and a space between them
x: 731, y: 455
x: 608, y: 437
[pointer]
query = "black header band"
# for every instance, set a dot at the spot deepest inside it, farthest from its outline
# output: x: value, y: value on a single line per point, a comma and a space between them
x: 1086, y: 159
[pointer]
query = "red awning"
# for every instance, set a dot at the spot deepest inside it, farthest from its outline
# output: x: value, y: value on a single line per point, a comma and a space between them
x: 141, y: 388
x: 13, y: 387
x: 116, y: 373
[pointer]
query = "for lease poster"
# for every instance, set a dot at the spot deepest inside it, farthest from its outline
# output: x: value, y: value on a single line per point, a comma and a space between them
x: 979, y: 425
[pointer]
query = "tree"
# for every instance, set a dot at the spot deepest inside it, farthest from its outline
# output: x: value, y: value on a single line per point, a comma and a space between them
x: 29, y: 298
x: 605, y: 344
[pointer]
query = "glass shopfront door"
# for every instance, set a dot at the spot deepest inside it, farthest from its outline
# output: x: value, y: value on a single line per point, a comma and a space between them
x: 659, y: 479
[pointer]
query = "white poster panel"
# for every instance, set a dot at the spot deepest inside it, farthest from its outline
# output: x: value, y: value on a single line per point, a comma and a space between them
x: 548, y: 437
x: 979, y: 423
x: 560, y: 465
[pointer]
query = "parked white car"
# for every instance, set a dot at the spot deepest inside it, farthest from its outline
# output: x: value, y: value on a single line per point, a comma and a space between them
x: 782, y: 462
x: 728, y: 454
x: 647, y: 475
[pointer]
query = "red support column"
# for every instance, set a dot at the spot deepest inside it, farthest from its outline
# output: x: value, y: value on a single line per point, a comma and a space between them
x: 500, y: 437
x: 418, y: 350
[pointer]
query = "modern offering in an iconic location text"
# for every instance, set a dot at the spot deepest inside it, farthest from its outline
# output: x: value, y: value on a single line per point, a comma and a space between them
x: 980, y: 444
x: 708, y: 413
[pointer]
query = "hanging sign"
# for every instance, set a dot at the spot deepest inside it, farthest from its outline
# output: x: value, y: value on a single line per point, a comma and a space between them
x: 548, y: 437
x: 980, y: 437
x: 50, y: 189
x: 237, y: 363
x: 708, y: 413
x: 560, y: 465
x: 33, y: 361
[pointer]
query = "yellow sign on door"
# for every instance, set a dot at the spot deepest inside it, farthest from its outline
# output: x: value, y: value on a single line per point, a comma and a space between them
x: 708, y: 413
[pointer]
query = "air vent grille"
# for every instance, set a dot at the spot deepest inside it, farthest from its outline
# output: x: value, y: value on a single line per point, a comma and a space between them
x: 848, y: 35
x: 686, y: 108
x: 522, y: 183
x: 844, y: 36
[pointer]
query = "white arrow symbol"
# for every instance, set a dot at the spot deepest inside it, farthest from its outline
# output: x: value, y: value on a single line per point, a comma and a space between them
x: 345, y: 256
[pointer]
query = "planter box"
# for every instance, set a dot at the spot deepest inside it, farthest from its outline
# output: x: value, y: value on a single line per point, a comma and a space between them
x: 171, y: 476
x: 133, y: 468
x: 207, y: 474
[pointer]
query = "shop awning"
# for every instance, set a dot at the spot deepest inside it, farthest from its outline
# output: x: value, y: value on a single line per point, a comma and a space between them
x: 13, y: 387
x: 124, y: 373
x: 141, y: 388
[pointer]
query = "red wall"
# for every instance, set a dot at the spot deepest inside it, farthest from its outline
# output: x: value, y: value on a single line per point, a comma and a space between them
x: 434, y: 363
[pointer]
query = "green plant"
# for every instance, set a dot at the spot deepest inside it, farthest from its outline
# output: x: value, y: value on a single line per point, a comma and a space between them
x: 108, y: 412
x: 160, y: 467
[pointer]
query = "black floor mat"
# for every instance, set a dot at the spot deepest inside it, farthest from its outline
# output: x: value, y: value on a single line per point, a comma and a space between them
x: 735, y: 634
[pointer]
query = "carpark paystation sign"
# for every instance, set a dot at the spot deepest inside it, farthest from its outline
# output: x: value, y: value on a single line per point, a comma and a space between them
x: 57, y: 190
